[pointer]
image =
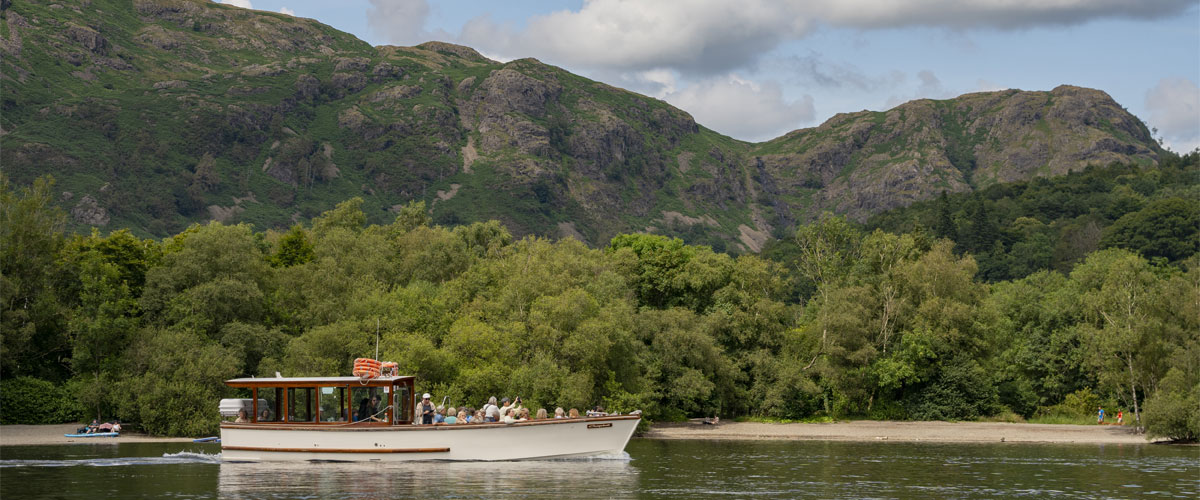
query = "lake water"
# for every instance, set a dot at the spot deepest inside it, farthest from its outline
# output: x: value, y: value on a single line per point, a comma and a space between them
x: 649, y: 469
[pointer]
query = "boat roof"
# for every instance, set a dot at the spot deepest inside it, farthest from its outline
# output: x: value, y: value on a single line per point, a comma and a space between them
x: 272, y: 381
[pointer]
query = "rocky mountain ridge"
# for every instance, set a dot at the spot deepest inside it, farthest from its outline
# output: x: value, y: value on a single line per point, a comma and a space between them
x: 158, y: 113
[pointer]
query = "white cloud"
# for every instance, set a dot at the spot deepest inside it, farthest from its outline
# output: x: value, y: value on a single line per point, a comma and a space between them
x: 400, y: 21
x: 245, y: 4
x: 1001, y: 14
x: 285, y: 10
x: 1174, y: 106
x: 743, y: 109
x: 693, y: 36
x: 707, y: 37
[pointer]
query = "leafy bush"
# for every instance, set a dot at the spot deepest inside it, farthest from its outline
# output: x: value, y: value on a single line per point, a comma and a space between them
x: 1079, y: 404
x: 28, y: 400
x: 1174, y: 412
x: 960, y: 392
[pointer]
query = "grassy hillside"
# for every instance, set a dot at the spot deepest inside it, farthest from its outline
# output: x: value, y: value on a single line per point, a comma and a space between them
x: 155, y: 114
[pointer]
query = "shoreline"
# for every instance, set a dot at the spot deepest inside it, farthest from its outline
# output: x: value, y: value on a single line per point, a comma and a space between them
x: 909, y: 432
x: 861, y: 430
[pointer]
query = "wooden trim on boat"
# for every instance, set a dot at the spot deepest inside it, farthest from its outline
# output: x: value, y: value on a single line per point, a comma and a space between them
x: 274, y: 383
x: 361, y: 426
x: 337, y: 450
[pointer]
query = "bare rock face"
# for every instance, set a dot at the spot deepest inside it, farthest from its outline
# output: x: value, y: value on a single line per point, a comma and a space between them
x: 90, y: 213
x: 353, y: 64
x: 386, y: 71
x: 863, y: 163
x: 89, y: 38
x: 349, y: 82
x: 509, y: 90
x: 307, y: 86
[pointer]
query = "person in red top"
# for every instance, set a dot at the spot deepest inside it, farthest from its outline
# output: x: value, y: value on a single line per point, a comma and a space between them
x: 1120, y: 416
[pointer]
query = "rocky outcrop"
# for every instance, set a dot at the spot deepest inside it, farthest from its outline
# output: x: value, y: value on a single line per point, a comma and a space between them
x: 89, y: 213
x: 863, y: 163
x: 89, y: 38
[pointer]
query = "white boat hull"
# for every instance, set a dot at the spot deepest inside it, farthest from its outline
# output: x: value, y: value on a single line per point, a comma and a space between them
x: 534, y: 439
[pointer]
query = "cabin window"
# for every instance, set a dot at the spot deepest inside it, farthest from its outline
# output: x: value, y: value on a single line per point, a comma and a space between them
x: 369, y: 403
x: 301, y: 404
x: 403, y: 404
x: 268, y: 404
x: 333, y: 404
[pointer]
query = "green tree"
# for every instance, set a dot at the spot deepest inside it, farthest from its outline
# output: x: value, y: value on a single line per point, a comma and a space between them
x: 347, y: 215
x: 828, y: 249
x: 212, y: 275
x: 1167, y: 228
x: 412, y: 216
x: 1117, y: 289
x: 945, y: 226
x: 175, y: 378
x: 294, y: 248
x: 31, y: 313
x: 100, y: 330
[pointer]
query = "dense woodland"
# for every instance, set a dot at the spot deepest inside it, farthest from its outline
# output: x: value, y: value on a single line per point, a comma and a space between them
x: 1029, y: 300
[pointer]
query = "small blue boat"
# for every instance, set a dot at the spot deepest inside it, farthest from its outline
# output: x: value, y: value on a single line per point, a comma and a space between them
x: 94, y: 435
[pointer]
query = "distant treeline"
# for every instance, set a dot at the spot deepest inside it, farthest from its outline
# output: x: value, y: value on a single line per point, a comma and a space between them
x: 1016, y: 229
x: 851, y: 324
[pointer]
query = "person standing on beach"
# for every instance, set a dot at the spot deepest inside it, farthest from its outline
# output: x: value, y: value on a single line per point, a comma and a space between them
x: 1100, y: 415
x: 1120, y: 416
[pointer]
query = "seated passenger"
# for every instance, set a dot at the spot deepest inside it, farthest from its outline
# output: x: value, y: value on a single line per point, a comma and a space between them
x: 440, y: 415
x: 523, y: 414
x: 559, y: 413
x: 478, y: 418
x: 265, y: 415
x: 366, y: 411
x: 541, y: 413
x: 573, y: 413
x: 491, y: 412
x: 451, y: 416
x: 461, y: 418
x: 242, y: 417
x: 508, y: 417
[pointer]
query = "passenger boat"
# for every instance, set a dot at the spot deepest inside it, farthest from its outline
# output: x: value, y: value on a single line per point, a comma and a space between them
x: 315, y: 419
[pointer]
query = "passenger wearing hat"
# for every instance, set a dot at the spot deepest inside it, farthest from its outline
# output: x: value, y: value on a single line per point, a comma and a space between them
x: 427, y: 409
x: 506, y: 406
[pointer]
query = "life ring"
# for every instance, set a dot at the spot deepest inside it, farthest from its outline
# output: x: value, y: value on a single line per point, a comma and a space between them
x: 366, y: 368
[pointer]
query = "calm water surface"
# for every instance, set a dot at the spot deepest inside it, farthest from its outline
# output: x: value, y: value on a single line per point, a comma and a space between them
x: 650, y: 469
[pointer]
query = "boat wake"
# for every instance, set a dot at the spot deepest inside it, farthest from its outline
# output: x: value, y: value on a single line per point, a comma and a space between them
x: 183, y: 457
x: 608, y: 457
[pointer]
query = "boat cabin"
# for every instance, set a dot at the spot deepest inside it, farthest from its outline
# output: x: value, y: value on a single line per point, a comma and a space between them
x: 355, y: 401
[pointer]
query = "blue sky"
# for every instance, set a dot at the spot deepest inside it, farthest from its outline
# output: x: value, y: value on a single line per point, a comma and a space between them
x: 756, y: 69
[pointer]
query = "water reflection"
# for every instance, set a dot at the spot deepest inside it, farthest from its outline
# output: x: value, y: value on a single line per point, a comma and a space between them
x: 659, y: 469
x: 609, y: 477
